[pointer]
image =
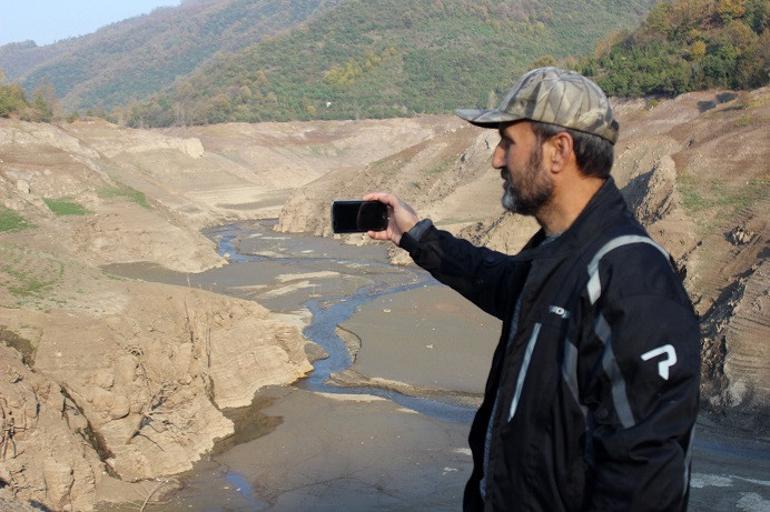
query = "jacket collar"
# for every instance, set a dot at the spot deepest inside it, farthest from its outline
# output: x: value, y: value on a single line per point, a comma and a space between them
x: 604, y: 207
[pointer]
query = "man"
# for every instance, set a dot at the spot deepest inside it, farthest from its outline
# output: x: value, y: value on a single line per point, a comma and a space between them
x: 592, y: 396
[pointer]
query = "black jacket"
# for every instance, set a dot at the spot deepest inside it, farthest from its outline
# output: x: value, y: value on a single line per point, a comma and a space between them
x: 598, y: 385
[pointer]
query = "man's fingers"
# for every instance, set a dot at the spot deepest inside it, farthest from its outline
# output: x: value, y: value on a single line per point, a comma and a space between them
x: 401, y: 217
x: 382, y: 197
x: 378, y: 235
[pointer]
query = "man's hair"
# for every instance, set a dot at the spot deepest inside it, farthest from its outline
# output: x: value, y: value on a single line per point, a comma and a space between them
x: 594, y: 154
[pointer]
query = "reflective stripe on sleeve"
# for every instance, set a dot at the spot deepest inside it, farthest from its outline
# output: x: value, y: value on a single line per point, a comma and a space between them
x: 611, y: 368
x: 594, y: 281
x: 688, y: 461
x: 523, y: 370
x: 569, y: 372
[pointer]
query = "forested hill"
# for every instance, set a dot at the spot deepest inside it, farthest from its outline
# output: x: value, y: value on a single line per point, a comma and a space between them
x: 140, y: 56
x: 688, y: 45
x: 386, y: 58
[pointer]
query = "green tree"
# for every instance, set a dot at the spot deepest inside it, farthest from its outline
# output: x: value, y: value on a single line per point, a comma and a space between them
x: 43, y: 100
x: 377, y: 58
x: 12, y: 100
x: 758, y: 15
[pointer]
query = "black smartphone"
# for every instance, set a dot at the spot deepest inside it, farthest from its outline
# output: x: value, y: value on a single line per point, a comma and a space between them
x: 359, y: 216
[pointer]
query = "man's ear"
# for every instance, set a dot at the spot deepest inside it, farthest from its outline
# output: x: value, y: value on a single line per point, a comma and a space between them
x: 561, y: 150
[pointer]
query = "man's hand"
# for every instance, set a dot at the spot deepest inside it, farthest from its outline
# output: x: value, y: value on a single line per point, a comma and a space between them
x: 401, y: 217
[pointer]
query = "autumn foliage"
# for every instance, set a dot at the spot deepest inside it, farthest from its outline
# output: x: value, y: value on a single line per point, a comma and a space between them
x: 14, y: 102
x: 688, y: 45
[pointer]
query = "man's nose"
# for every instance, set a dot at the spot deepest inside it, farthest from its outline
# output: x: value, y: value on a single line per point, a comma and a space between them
x: 498, y: 157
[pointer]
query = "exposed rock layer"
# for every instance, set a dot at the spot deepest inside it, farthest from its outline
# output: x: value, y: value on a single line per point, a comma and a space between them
x: 103, y: 375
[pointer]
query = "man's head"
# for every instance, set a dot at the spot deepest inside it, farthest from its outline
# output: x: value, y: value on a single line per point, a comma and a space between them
x: 551, y: 122
x: 553, y: 96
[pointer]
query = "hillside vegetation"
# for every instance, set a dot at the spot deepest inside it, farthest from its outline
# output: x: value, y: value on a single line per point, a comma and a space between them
x: 387, y: 58
x: 688, y: 45
x: 14, y: 102
x: 140, y: 56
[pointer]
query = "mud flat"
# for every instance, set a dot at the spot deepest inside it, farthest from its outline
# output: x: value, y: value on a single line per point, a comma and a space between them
x: 430, y: 337
x: 325, y: 446
x: 333, y: 452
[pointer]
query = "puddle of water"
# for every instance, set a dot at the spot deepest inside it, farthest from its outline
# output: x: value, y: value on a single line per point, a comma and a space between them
x: 242, y: 486
x: 250, y: 423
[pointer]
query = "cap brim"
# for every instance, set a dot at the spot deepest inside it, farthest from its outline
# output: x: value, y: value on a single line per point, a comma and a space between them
x: 486, y: 118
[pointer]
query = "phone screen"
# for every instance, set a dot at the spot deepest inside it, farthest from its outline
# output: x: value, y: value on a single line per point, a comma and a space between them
x: 359, y: 216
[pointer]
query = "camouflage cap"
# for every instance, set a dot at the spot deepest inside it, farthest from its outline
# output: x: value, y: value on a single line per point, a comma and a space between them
x: 556, y: 96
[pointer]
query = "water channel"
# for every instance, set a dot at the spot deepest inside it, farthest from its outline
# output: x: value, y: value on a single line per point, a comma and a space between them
x: 330, y: 311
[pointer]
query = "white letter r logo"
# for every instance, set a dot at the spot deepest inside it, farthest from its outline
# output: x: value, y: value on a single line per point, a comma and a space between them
x: 667, y: 363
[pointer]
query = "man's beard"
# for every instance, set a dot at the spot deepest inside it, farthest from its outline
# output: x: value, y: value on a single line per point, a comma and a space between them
x: 533, y: 190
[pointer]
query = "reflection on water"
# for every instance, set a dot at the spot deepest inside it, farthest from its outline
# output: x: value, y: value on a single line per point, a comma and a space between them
x: 242, y: 486
x: 250, y: 423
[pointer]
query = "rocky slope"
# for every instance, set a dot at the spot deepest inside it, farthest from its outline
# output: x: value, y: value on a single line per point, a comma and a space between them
x: 428, y: 175
x: 694, y: 169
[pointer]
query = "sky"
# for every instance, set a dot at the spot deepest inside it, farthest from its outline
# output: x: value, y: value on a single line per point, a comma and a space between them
x: 46, y: 21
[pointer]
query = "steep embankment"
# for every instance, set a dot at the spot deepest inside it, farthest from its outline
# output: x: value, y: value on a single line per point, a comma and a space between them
x: 107, y: 376
x: 694, y: 169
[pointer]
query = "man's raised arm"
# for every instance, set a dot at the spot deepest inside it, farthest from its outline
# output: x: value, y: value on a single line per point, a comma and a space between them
x: 485, y: 277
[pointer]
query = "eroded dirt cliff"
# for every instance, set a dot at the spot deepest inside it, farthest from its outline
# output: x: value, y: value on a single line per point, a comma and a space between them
x: 106, y: 379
